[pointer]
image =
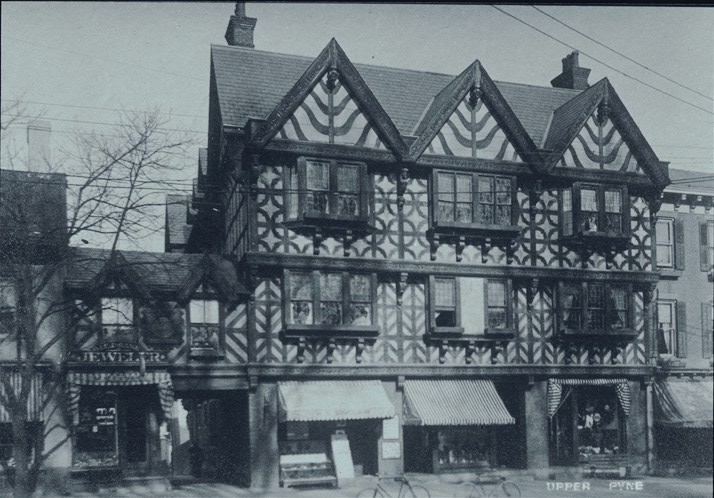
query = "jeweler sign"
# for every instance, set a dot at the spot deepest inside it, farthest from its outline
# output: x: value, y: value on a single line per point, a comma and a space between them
x: 117, y: 356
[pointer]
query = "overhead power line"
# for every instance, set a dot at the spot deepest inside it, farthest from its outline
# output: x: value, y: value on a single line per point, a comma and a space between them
x: 621, y: 54
x: 601, y: 62
x: 104, y: 123
x: 103, y: 108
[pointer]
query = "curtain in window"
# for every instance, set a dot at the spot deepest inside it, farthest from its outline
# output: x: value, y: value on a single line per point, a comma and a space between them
x: 613, y: 211
x: 331, y: 298
x: 318, y: 186
x: 348, y: 187
x: 446, y: 196
x: 301, y: 299
x: 360, y: 300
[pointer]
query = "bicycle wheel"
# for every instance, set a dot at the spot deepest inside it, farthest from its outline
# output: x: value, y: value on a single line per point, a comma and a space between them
x: 508, y: 489
x: 419, y: 492
x: 468, y: 490
x: 370, y: 493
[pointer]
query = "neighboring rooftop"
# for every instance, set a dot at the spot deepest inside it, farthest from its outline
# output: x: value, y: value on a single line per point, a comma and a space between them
x: 691, y: 181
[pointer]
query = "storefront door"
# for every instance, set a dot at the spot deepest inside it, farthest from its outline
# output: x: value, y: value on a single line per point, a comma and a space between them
x: 135, y: 417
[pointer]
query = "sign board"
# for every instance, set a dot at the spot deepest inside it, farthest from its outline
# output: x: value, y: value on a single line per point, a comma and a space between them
x: 391, y: 450
x: 342, y: 458
x: 117, y: 356
x: 390, y: 428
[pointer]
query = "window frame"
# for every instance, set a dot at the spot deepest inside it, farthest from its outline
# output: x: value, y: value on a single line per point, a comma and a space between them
x: 585, y: 329
x: 329, y: 330
x: 8, y: 309
x: 331, y: 218
x: 474, y: 226
x: 673, y: 334
x: 458, y: 328
x: 670, y: 245
x: 105, y: 323
x: 576, y: 209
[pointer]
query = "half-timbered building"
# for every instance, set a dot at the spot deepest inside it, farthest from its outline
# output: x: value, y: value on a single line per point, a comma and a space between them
x: 445, y: 271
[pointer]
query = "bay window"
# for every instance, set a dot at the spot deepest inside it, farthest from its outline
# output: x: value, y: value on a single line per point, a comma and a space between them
x: 323, y: 300
x: 595, y: 308
x: 593, y: 211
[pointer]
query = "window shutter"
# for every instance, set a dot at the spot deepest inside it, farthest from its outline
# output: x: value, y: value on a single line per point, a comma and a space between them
x: 679, y: 245
x: 681, y: 329
x: 703, y: 248
x: 707, y: 331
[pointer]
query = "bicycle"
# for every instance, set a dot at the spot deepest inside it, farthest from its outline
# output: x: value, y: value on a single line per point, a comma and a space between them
x: 503, y: 488
x: 406, y: 489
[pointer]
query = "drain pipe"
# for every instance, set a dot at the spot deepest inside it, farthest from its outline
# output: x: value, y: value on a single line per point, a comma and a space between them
x: 650, y: 427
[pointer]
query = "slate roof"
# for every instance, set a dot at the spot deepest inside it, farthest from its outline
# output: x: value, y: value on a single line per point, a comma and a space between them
x: 250, y: 84
x: 691, y: 181
x: 160, y: 272
x: 177, y: 230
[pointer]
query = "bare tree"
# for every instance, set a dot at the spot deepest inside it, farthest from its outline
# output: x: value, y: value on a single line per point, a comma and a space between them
x: 112, y: 193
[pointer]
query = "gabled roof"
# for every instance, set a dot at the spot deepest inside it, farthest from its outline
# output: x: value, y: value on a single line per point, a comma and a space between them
x: 473, y: 78
x: 149, y: 273
x: 570, y: 118
x: 332, y: 58
x: 251, y: 83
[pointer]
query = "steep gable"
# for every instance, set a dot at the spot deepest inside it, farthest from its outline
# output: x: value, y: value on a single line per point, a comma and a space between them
x: 470, y: 118
x: 331, y: 103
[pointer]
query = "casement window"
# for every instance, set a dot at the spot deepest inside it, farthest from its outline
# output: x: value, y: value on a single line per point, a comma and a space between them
x: 595, y: 210
x: 328, y: 190
x: 330, y: 300
x: 706, y: 242
x: 117, y: 311
x: 473, y: 200
x: 672, y: 328
x: 204, y: 311
x: 670, y: 244
x: 707, y: 329
x: 7, y: 308
x: 469, y: 305
x: 593, y: 308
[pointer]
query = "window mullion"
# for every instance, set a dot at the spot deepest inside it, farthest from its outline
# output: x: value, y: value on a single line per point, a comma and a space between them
x: 475, y: 200
x: 334, y: 191
x: 346, y: 298
x: 586, y: 307
x: 317, y: 309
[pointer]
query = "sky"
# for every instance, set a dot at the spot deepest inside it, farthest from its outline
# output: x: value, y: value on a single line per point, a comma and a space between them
x: 77, y: 63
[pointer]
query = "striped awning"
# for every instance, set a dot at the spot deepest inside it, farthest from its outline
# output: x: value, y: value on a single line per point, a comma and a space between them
x: 555, y: 391
x: 34, y: 400
x: 684, y: 403
x: 333, y: 400
x: 75, y: 380
x: 454, y: 402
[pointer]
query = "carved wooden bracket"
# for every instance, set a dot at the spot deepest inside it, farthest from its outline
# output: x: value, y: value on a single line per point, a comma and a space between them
x: 402, y: 181
x: 531, y: 292
x: 401, y: 379
x: 253, y: 382
x: 254, y: 174
x: 496, y: 350
x: 595, y: 354
x: 616, y: 352
x: 470, y: 350
x: 460, y: 244
x: 333, y: 76
x: 301, y: 346
x: 330, y: 349
x: 443, y: 347
x: 679, y: 200
x: 359, y: 349
x: 317, y: 238
x: 570, y: 351
x: 474, y: 95
x: 649, y: 293
x: 485, y: 248
x: 534, y: 196
x: 434, y: 246
x: 401, y: 287
x: 253, y: 282
x: 347, y: 240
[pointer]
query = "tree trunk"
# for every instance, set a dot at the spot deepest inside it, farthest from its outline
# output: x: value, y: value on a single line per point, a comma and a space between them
x: 23, y: 483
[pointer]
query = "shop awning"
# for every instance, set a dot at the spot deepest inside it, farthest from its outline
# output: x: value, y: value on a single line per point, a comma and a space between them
x: 34, y: 400
x: 684, y: 403
x: 333, y: 400
x: 162, y: 379
x: 454, y: 402
x: 555, y: 391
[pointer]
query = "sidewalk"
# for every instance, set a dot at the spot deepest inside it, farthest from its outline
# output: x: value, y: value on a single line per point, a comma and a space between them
x: 439, y: 487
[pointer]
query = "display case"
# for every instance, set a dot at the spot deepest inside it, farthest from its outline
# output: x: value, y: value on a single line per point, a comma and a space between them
x: 304, y: 463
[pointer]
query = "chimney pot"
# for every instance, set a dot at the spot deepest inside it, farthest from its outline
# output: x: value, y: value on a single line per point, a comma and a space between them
x: 573, y: 76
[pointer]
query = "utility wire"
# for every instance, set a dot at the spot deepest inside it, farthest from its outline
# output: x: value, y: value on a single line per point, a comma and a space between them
x: 102, y: 108
x: 103, y: 123
x: 601, y: 62
x: 621, y: 54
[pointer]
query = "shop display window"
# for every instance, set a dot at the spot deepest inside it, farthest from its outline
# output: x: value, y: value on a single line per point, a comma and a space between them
x: 96, y: 435
x: 599, y: 422
x: 463, y: 447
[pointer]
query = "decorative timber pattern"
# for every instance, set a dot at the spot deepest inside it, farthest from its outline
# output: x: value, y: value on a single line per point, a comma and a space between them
x: 330, y: 117
x: 472, y: 131
x: 236, y: 339
x: 599, y: 145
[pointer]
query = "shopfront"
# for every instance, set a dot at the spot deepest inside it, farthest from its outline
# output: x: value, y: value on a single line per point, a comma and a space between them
x: 588, y: 420
x: 330, y: 430
x: 453, y: 425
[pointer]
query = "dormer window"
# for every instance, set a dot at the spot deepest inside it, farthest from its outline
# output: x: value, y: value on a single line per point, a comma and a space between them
x: 205, y: 329
x: 595, y: 212
x: 328, y: 192
x: 117, y: 312
x: 204, y: 311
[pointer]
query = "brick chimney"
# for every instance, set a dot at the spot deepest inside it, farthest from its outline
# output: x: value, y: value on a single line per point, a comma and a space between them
x: 240, y: 28
x: 573, y: 76
x: 38, y: 146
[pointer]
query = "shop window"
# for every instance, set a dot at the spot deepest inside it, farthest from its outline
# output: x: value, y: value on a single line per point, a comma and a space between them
x: 599, y: 424
x: 7, y: 308
x: 329, y: 300
x: 96, y: 433
x: 595, y: 213
x: 595, y: 308
x: 471, y: 306
x: 329, y: 193
x: 473, y: 204
x: 706, y: 242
